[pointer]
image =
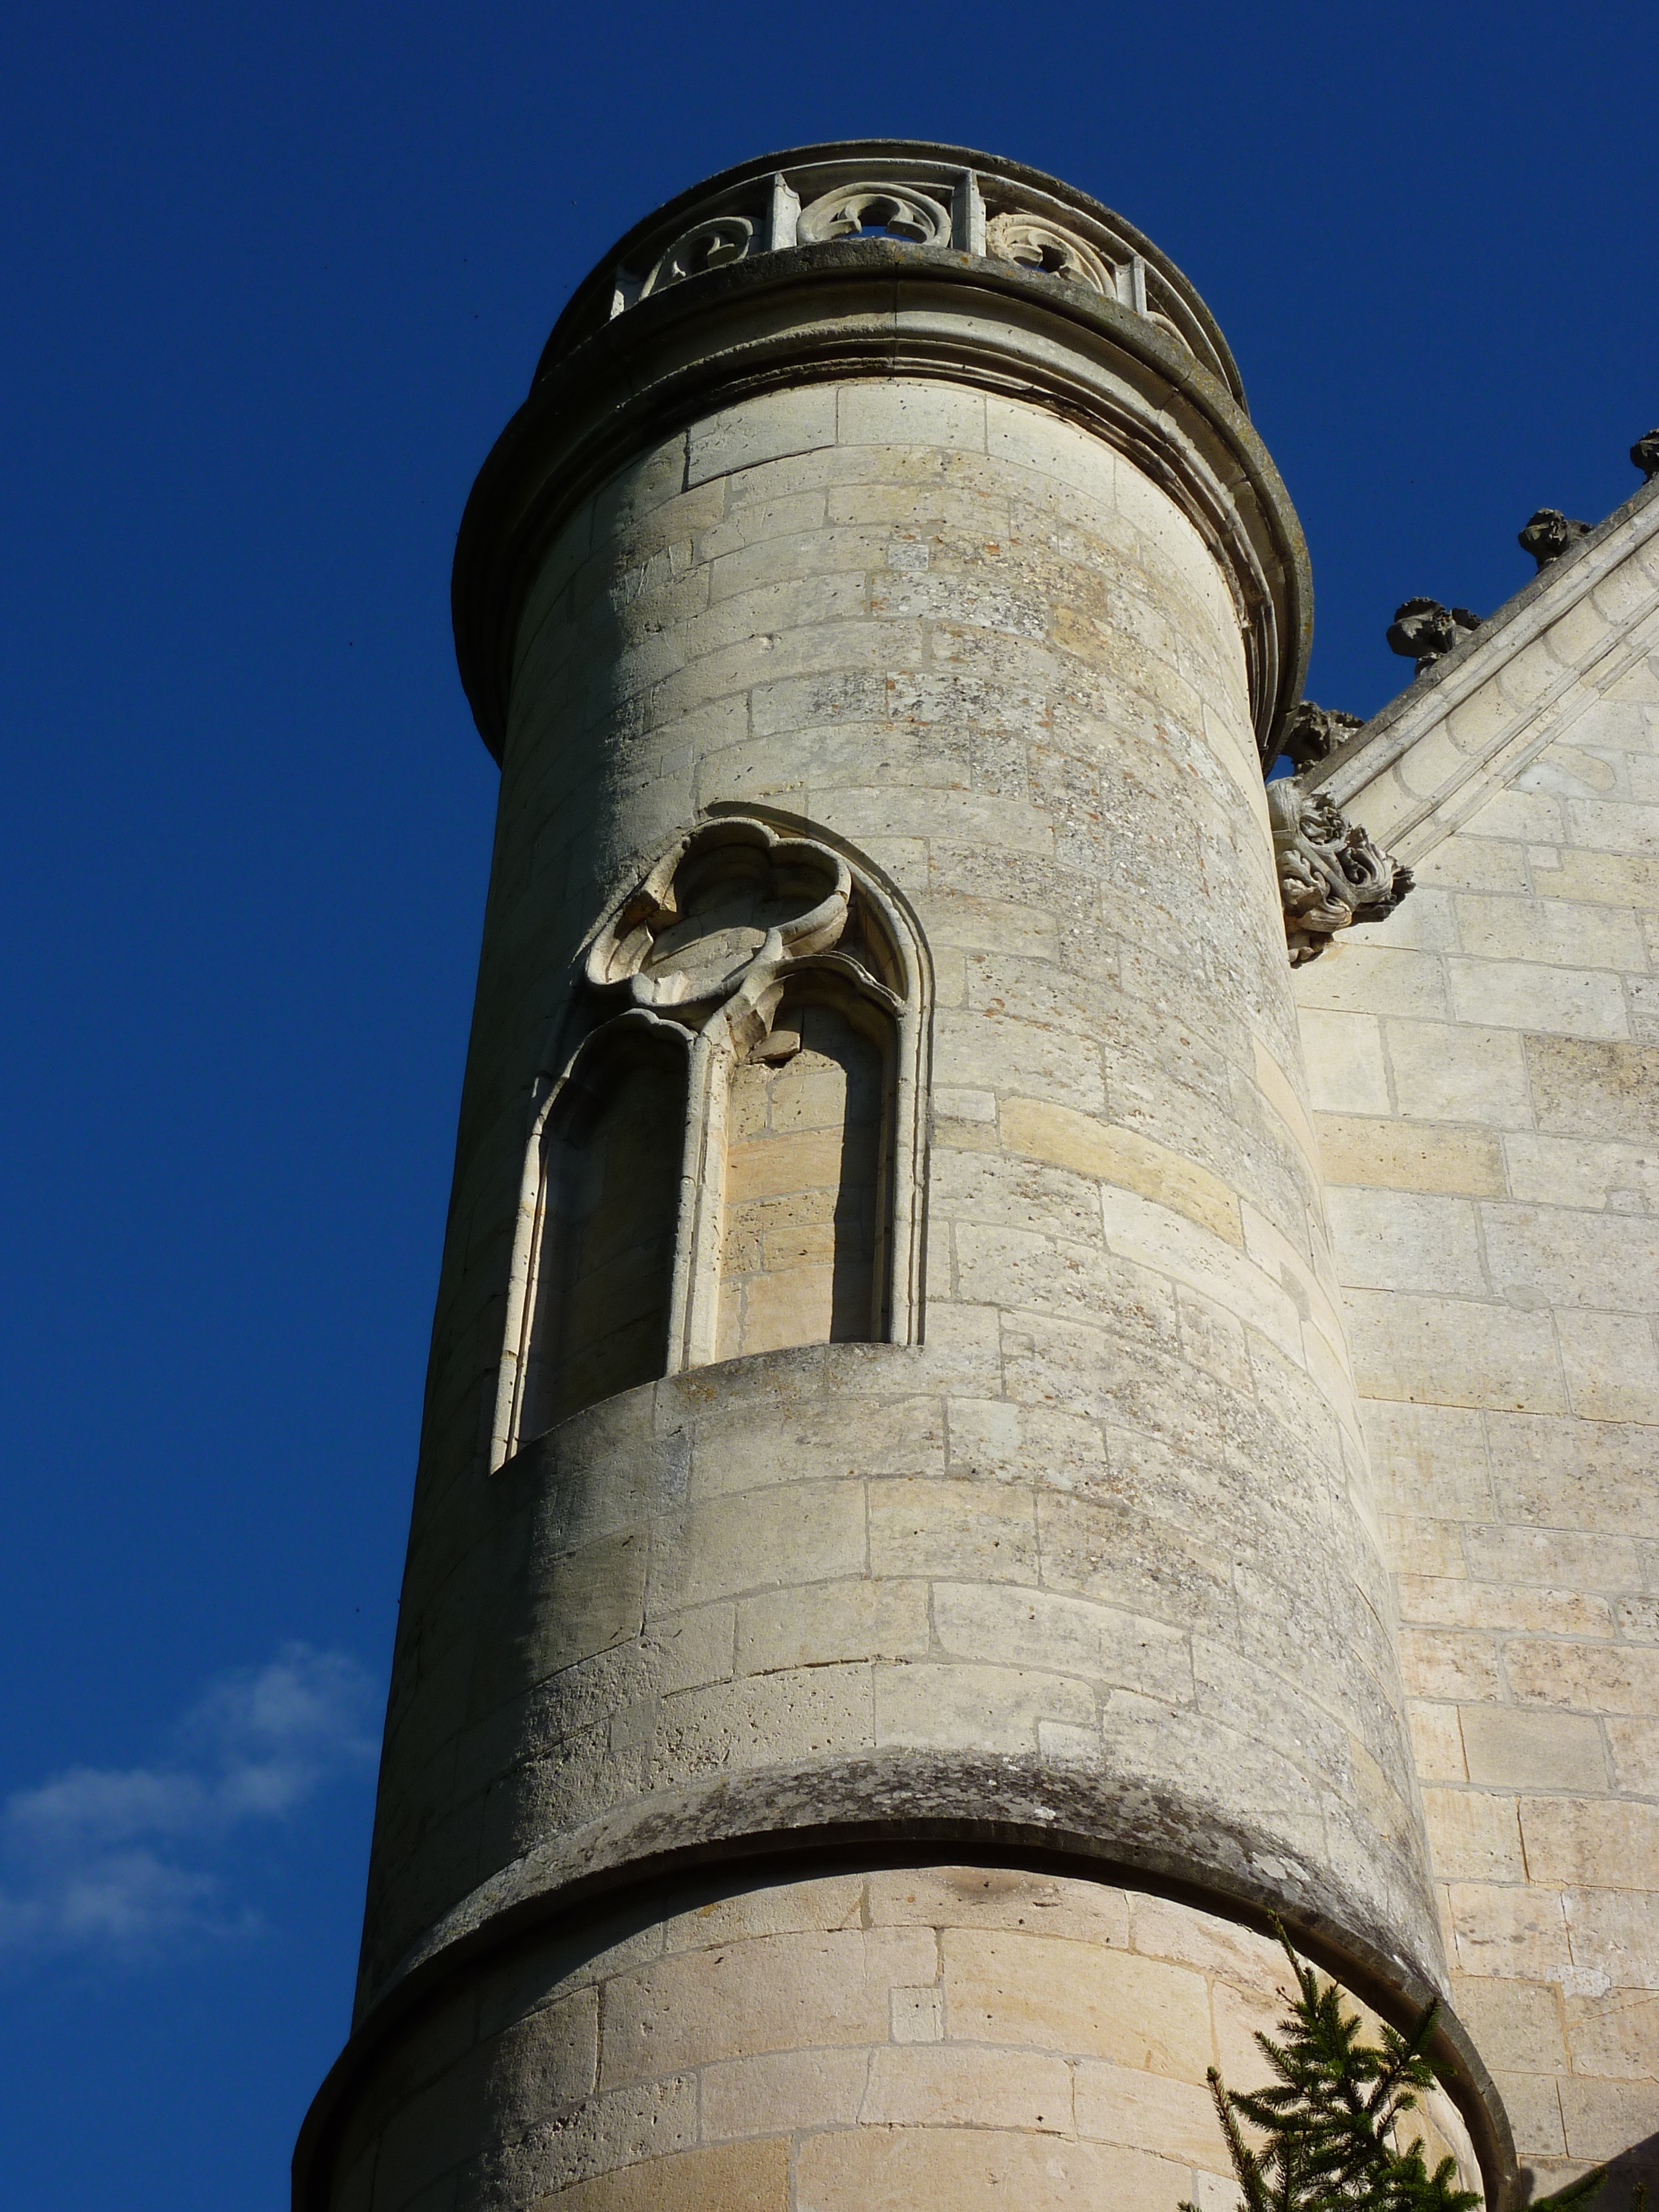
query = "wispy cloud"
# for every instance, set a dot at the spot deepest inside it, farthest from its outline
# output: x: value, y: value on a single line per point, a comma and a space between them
x: 122, y: 1858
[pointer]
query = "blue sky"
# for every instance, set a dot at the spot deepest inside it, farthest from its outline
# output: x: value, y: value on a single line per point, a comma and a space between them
x: 274, y: 279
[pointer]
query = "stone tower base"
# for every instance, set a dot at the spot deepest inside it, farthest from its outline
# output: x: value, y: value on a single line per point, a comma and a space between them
x: 870, y: 2041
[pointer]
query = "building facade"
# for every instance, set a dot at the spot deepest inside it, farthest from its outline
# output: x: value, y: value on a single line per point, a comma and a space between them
x: 993, y: 1422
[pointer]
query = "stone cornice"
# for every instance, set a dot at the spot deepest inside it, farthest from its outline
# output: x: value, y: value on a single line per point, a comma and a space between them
x: 1417, y: 771
x: 612, y: 382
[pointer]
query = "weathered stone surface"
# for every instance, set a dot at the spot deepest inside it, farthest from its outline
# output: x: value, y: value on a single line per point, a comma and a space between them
x: 827, y: 673
x: 1494, y: 1226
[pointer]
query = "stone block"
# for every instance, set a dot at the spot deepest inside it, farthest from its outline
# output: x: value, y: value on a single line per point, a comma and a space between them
x: 776, y: 1993
x: 952, y: 2085
x: 777, y: 2092
x: 1575, y: 1474
x: 901, y: 412
x: 961, y: 1707
x: 1607, y: 878
x: 1554, y: 930
x: 918, y: 2015
x: 1474, y: 1836
x: 1580, y: 1172
x: 756, y: 1539
x: 1531, y: 817
x: 976, y: 2170
x: 1403, y: 1240
x: 1515, y: 1749
x: 1602, y: 1260
x: 1615, y: 2036
x: 1346, y: 1070
x: 1437, y: 1663
x: 1593, y: 1677
x: 1615, y: 1934
x: 1104, y: 1644
x: 1008, y: 1898
x: 828, y: 1622
x: 818, y: 1905
x: 1124, y: 1157
x: 960, y: 1529
x: 1612, y: 1366
x: 736, y: 2177
x: 1584, y: 1088
x: 1525, y: 994
x: 1049, y: 1993
x: 760, y: 1721
x: 1411, y: 1157
x: 1533, y: 2105
x: 1437, y: 1742
x: 1430, y: 1460
x: 1464, y: 1601
x: 1474, y: 862
x: 1467, y: 1071
x: 767, y: 427
x: 1453, y: 1351
x: 1635, y: 1747
x: 1613, y: 826
x: 1374, y: 979
x: 1605, y: 2118
x: 1146, y: 2113
x: 1518, y: 1934
x: 1517, y: 2026
x: 1588, y: 1842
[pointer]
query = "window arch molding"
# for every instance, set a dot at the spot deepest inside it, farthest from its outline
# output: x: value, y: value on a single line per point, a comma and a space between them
x: 741, y: 922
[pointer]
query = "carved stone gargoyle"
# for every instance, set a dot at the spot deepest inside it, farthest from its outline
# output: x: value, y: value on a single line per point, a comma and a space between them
x: 1330, y: 873
x: 1423, y: 630
x: 1548, y: 535
x: 1644, y: 455
x: 1314, y: 732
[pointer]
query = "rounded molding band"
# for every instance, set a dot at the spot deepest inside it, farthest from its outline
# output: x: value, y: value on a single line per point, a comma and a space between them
x: 913, y: 1807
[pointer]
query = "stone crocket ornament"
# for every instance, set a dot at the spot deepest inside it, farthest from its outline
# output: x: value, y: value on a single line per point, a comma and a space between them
x: 1423, y: 630
x: 1548, y: 534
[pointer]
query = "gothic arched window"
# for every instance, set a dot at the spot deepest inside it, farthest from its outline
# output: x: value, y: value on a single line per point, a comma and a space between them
x: 729, y: 1160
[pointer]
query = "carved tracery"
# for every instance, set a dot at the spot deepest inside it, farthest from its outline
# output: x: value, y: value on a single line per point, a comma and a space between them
x: 777, y: 992
x: 899, y: 212
x: 1035, y: 243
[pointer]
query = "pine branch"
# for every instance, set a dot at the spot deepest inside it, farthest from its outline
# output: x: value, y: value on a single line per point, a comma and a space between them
x: 1329, y: 2116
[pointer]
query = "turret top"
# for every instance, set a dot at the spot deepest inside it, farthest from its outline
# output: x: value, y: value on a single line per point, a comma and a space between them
x: 883, y: 258
x: 948, y: 198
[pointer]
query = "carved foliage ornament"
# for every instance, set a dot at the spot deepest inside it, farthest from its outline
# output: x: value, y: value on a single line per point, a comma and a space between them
x: 1330, y: 873
x: 1423, y: 630
x: 1644, y: 455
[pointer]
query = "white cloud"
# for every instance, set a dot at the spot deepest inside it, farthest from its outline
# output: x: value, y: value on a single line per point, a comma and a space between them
x: 118, y: 1859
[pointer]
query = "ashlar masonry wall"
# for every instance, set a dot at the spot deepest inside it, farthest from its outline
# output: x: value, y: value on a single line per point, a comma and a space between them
x: 1485, y: 1074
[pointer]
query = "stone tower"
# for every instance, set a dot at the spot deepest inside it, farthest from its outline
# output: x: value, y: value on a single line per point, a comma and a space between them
x: 894, y: 1598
